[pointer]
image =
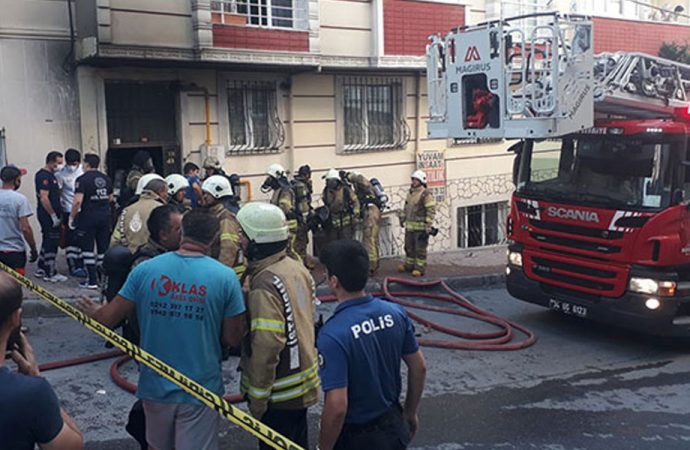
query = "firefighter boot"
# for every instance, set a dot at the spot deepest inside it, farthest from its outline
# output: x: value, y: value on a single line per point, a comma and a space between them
x: 417, y: 273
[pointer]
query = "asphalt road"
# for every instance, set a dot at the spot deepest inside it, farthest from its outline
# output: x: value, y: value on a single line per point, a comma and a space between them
x: 582, y: 386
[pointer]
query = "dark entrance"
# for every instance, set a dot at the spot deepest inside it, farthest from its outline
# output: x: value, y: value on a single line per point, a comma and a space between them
x: 141, y: 116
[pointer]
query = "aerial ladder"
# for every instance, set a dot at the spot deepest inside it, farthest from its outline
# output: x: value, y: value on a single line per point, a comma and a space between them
x: 536, y: 76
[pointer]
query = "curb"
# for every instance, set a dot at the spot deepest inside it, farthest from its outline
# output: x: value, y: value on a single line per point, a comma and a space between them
x: 36, y: 307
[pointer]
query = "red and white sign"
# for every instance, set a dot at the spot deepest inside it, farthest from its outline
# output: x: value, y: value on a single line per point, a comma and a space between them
x: 433, y: 163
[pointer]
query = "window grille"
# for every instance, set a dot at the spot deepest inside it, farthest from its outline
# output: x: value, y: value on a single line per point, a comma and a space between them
x: 254, y: 124
x: 482, y: 225
x: 373, y: 114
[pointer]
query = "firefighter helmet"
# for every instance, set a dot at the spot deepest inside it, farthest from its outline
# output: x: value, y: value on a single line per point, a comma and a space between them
x: 218, y: 186
x: 176, y: 182
x: 211, y: 162
x: 419, y: 175
x: 146, y: 179
x: 332, y: 174
x: 263, y: 223
x: 276, y: 171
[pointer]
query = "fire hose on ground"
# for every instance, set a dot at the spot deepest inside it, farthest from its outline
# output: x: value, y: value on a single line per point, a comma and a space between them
x: 500, y: 339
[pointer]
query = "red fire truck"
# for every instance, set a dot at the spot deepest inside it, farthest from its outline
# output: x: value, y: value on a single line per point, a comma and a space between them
x: 599, y: 225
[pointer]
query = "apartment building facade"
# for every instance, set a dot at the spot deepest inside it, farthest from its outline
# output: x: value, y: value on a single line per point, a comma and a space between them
x: 329, y: 83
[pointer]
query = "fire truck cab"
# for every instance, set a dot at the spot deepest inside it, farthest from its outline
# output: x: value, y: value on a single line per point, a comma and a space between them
x: 599, y: 225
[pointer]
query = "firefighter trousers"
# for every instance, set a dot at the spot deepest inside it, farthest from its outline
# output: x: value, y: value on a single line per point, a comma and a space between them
x: 416, y: 243
x: 302, y: 241
x: 370, y: 234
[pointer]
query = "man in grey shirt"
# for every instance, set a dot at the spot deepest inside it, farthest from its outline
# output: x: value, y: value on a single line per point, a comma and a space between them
x: 15, y: 211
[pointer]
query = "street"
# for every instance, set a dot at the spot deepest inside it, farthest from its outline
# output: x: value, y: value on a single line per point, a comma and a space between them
x: 581, y: 386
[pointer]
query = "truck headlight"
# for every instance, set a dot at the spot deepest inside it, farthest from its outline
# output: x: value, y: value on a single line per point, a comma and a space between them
x: 652, y: 287
x: 515, y: 259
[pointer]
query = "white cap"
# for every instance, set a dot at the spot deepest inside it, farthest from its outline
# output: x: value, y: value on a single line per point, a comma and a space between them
x: 263, y: 223
x: 218, y: 186
x: 419, y: 175
x: 146, y: 179
x: 275, y: 171
x: 176, y: 182
x: 332, y: 174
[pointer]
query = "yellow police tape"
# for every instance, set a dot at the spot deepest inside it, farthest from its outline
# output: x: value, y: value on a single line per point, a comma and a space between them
x: 214, y: 401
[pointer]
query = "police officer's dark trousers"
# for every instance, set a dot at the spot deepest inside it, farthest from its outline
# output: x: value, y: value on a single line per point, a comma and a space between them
x: 49, y: 245
x: 290, y: 423
x: 387, y: 432
x: 93, y: 227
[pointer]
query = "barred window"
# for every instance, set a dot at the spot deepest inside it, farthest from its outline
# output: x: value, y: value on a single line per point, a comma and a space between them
x: 482, y: 225
x: 373, y: 115
x: 254, y: 125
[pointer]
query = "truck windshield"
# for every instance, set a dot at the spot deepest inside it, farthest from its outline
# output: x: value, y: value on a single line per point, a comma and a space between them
x: 611, y: 172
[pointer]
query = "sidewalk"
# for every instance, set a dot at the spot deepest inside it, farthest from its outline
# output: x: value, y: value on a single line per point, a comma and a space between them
x: 462, y: 269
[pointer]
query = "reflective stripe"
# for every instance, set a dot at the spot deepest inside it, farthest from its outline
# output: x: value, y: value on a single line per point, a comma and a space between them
x: 286, y: 382
x: 254, y: 391
x: 230, y: 237
x: 415, y: 226
x: 292, y: 224
x: 267, y: 325
x: 429, y: 204
x: 296, y: 392
x: 239, y: 270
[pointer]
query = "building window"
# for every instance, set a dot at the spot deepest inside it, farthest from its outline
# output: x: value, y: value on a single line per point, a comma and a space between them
x: 254, y: 125
x: 262, y: 13
x: 482, y: 225
x: 373, y: 116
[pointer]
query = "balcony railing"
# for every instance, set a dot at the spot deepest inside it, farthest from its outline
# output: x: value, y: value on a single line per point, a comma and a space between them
x: 677, y: 13
x: 285, y: 14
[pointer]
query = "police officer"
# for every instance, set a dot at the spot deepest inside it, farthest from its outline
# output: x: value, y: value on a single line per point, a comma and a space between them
x: 48, y: 212
x: 66, y: 177
x: 418, y: 220
x: 302, y: 187
x: 343, y: 208
x: 284, y: 198
x: 131, y: 230
x: 371, y: 215
x: 91, y: 216
x: 216, y: 188
x: 279, y: 368
x: 360, y: 350
x: 177, y: 192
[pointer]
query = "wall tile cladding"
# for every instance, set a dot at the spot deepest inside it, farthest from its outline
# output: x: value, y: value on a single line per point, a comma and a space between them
x: 407, y: 24
x: 243, y: 37
x: 612, y: 35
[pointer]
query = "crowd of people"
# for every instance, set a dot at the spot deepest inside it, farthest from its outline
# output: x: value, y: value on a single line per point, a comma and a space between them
x: 186, y: 268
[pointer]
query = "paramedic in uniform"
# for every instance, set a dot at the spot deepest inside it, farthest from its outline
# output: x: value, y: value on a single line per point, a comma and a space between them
x: 360, y: 349
x: 91, y: 216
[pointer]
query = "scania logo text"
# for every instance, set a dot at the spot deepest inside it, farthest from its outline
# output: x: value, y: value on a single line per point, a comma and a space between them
x: 573, y: 214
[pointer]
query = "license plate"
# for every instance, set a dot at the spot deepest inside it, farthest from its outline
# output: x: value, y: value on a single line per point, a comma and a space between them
x: 568, y: 308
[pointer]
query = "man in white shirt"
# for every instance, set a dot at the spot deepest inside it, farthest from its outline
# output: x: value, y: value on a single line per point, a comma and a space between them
x: 66, y: 178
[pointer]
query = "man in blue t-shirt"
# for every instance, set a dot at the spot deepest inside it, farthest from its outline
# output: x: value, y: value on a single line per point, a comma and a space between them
x: 193, y: 192
x: 30, y: 412
x: 360, y: 350
x: 187, y: 303
x: 49, y: 211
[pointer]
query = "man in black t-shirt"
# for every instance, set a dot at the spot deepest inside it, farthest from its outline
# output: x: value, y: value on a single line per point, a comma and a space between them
x: 90, y: 216
x: 30, y: 412
x: 48, y: 212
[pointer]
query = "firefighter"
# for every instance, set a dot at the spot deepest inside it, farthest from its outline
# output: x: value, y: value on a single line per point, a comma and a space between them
x: 216, y: 188
x: 279, y: 365
x: 418, y: 219
x: 302, y: 187
x: 371, y: 215
x: 343, y: 208
x: 131, y: 230
x: 212, y: 166
x: 284, y: 198
x: 177, y: 192
x: 142, y: 164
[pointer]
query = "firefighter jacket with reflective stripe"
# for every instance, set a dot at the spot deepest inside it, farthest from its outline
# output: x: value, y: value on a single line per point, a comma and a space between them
x: 131, y: 230
x: 284, y: 198
x: 420, y: 209
x: 342, y: 204
x: 364, y: 190
x: 230, y: 232
x: 279, y: 364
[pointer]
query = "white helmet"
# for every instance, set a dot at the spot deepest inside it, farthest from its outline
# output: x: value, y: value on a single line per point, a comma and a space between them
x: 420, y: 175
x: 176, y: 182
x: 218, y: 186
x: 276, y: 171
x: 263, y: 223
x: 146, y: 179
x: 332, y: 174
